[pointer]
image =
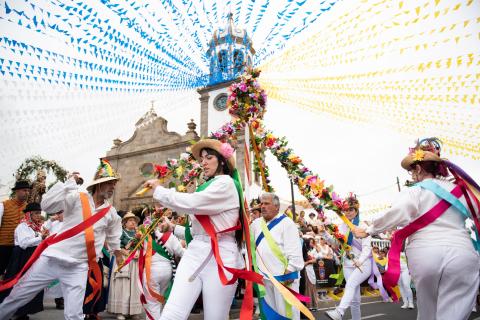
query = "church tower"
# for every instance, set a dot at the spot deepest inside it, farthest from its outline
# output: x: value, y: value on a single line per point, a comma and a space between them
x: 230, y: 53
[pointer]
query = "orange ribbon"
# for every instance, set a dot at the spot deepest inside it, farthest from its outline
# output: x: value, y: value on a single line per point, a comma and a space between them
x: 94, y: 272
x: 148, y: 271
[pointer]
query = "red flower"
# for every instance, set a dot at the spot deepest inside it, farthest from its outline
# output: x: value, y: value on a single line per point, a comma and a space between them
x: 161, y: 171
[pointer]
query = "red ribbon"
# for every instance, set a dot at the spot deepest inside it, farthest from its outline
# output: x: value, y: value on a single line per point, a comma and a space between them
x: 54, y: 238
x: 249, y: 276
x: 391, y: 276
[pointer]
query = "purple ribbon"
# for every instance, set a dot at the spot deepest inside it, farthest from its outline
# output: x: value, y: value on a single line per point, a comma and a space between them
x: 378, y: 284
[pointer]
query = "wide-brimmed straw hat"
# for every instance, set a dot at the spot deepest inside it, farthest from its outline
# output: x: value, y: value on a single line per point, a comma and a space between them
x: 129, y: 215
x: 104, y: 173
x: 425, y: 150
x: 224, y: 148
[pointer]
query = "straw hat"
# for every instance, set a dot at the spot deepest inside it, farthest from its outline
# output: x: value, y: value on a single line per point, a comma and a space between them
x: 425, y: 150
x: 224, y: 148
x: 129, y: 215
x: 104, y: 173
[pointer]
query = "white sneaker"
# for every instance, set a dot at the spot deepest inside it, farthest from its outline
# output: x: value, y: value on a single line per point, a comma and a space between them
x: 410, y: 305
x: 334, y: 314
x: 120, y: 317
x: 405, y: 305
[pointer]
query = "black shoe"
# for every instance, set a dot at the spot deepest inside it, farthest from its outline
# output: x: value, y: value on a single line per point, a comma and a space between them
x: 59, y: 304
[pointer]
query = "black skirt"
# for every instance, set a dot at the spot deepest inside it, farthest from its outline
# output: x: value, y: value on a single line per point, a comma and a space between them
x: 18, y: 259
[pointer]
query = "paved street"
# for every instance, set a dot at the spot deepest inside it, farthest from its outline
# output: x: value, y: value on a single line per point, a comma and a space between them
x: 371, y: 309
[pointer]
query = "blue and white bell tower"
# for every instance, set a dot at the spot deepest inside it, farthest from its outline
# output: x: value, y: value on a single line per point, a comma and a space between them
x: 229, y: 53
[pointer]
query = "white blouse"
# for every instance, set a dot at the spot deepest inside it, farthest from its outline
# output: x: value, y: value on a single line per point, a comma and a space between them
x: 447, y: 230
x: 25, y: 236
x: 219, y: 201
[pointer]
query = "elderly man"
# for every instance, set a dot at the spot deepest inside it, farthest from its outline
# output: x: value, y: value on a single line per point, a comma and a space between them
x: 11, y: 212
x: 73, y: 259
x: 279, y: 252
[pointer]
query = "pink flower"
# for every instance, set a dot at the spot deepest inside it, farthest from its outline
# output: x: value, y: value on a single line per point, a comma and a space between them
x: 226, y: 150
x: 243, y: 87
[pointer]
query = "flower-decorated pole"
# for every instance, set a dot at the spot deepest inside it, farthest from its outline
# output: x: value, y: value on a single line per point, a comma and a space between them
x: 256, y: 151
x: 246, y: 102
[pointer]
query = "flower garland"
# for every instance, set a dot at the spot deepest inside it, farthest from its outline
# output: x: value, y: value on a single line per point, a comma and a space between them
x: 33, y: 164
x: 247, y: 99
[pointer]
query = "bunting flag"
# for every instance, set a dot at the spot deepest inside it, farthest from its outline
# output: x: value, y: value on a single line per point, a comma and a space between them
x: 409, y: 66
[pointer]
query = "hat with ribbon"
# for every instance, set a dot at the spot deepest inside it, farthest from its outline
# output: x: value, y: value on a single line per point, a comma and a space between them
x: 104, y: 173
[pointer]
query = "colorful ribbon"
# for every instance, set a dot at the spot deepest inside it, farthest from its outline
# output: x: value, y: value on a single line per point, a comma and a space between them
x: 391, y: 276
x: 54, y: 238
x: 95, y: 276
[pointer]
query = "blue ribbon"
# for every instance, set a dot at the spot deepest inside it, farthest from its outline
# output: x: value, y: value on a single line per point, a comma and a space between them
x: 454, y: 201
x: 269, y: 312
x: 270, y: 227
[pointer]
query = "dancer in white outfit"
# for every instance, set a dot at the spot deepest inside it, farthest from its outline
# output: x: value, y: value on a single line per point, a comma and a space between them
x: 162, y: 269
x: 67, y: 260
x: 356, y: 268
x: 216, y: 202
x: 442, y: 260
x: 404, y: 283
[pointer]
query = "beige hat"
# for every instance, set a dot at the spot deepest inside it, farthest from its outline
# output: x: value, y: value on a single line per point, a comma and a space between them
x: 425, y: 150
x: 224, y: 148
x: 104, y: 173
x: 129, y: 215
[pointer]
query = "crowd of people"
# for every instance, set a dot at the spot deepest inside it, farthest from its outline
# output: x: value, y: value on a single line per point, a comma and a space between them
x: 84, y: 254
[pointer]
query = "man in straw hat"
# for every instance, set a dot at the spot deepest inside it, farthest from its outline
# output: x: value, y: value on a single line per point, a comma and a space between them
x: 74, y: 258
x: 441, y: 257
x: 11, y: 212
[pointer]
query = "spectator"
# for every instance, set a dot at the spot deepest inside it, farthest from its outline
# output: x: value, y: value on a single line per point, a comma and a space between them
x: 11, y: 212
x: 28, y: 235
x: 124, y: 295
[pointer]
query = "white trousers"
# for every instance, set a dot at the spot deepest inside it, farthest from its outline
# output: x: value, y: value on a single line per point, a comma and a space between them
x: 446, y: 280
x: 276, y: 301
x: 351, y: 296
x: 217, y: 298
x: 72, y: 277
x: 404, y: 284
x: 160, y: 276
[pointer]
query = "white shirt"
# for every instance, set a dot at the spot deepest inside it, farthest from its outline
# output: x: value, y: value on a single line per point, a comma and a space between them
x: 53, y: 226
x: 287, y: 238
x: 360, y: 255
x: 220, y: 202
x: 25, y: 237
x: 321, y: 252
x: 65, y: 196
x: 447, y: 230
x: 172, y: 245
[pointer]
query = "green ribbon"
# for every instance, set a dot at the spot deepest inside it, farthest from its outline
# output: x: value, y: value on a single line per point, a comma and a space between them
x: 280, y: 256
x: 164, y: 253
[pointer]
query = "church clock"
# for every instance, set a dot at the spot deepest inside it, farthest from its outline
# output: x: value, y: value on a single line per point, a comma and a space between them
x: 220, y: 102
